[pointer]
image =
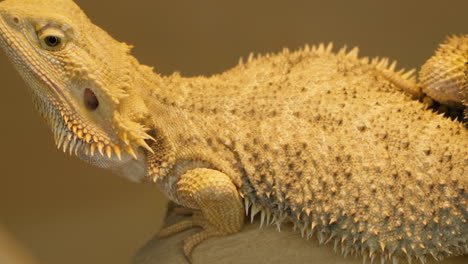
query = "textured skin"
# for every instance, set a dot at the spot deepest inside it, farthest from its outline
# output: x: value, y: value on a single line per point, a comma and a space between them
x: 444, y: 76
x: 327, y: 141
x: 203, y: 188
x: 256, y: 246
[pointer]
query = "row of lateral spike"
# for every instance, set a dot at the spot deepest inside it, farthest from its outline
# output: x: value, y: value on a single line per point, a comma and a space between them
x: 267, y: 218
x: 70, y: 136
x: 380, y: 63
x: 69, y: 139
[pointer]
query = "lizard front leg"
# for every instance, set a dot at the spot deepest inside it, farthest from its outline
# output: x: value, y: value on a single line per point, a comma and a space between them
x: 219, y: 207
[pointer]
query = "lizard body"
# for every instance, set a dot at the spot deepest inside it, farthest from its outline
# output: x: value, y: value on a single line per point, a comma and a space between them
x: 328, y: 141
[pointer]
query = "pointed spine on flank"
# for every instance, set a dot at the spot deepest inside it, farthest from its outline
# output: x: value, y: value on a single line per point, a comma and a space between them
x: 253, y: 209
x: 348, y: 244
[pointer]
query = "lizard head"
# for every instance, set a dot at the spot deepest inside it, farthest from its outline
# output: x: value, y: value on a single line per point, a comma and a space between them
x: 79, y: 77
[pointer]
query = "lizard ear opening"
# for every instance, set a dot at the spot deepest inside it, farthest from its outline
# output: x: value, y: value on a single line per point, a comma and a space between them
x: 90, y: 100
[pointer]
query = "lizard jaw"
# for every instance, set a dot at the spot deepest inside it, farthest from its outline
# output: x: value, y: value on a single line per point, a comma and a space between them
x: 71, y: 131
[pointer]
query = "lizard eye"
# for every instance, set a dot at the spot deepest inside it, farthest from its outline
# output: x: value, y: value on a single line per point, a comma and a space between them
x: 90, y: 100
x: 52, y: 41
x: 52, y: 38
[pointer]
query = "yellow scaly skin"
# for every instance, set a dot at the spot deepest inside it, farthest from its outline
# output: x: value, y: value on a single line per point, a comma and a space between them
x: 444, y: 76
x: 328, y: 141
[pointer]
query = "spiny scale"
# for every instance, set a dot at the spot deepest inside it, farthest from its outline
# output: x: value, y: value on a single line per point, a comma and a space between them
x: 403, y: 80
x: 71, y: 134
x: 73, y: 139
x: 253, y: 209
x: 132, y: 134
x: 68, y: 141
x: 443, y: 76
x: 348, y: 111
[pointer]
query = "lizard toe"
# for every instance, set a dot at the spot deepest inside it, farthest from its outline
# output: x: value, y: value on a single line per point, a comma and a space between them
x: 196, y: 239
x: 196, y: 220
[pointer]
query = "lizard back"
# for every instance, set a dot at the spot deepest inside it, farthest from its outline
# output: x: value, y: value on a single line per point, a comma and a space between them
x: 327, y: 142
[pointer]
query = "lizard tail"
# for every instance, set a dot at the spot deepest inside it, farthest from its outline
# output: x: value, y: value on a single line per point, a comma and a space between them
x: 444, y: 76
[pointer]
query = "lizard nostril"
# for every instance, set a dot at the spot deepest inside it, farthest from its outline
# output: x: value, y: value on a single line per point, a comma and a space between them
x: 15, y: 20
x: 90, y: 99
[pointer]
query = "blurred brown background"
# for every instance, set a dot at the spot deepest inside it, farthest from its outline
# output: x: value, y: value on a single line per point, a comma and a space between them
x: 68, y: 212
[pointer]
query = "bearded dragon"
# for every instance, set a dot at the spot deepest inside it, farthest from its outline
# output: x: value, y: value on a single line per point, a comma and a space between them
x: 329, y: 141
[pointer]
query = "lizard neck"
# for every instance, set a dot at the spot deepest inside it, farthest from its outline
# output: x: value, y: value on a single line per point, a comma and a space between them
x: 186, y: 135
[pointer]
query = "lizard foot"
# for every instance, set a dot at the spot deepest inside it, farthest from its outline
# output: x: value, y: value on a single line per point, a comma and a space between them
x: 196, y: 220
x: 216, y: 205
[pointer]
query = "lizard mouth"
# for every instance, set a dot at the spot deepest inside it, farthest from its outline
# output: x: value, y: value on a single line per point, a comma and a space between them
x: 72, y: 131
